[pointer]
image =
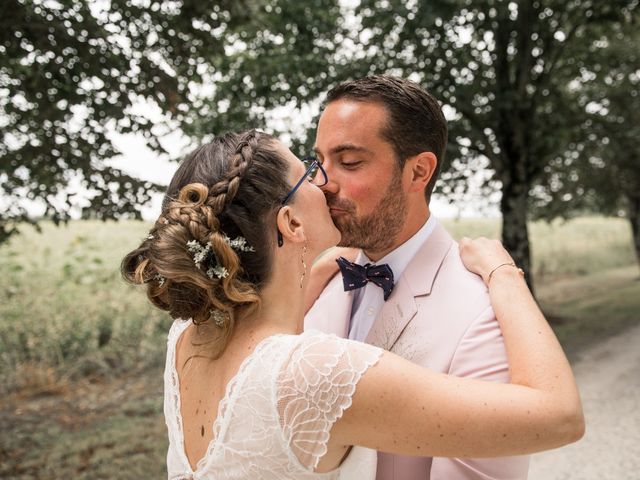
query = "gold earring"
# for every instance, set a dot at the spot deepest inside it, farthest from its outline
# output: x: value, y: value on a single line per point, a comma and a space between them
x: 304, y: 265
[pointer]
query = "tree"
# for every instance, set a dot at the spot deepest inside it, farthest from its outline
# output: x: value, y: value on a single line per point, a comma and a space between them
x: 288, y: 55
x: 72, y: 71
x: 605, y: 176
x: 504, y: 68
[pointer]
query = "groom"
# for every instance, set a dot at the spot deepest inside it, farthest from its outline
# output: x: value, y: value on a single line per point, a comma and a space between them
x: 381, y: 141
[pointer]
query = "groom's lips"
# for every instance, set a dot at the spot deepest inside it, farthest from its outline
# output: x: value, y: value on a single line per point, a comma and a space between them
x: 335, y: 211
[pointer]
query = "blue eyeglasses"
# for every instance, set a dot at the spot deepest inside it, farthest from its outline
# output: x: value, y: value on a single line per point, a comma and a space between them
x: 315, y: 174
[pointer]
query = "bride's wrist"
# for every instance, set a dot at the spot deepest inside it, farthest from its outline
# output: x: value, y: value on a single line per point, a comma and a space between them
x: 504, y: 270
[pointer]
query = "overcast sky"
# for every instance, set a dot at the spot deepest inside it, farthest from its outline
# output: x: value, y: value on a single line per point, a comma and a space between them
x: 141, y: 162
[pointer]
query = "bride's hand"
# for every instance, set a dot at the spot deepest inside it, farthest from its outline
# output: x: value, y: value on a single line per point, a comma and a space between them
x: 483, y: 255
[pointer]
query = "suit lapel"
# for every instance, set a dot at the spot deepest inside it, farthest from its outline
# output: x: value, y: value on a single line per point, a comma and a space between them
x: 394, y: 316
x: 417, y: 280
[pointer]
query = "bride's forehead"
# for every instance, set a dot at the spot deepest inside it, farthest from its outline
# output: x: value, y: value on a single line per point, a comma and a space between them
x: 295, y: 164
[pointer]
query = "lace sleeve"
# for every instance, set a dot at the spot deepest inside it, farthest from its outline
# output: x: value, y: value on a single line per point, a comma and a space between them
x: 314, y: 389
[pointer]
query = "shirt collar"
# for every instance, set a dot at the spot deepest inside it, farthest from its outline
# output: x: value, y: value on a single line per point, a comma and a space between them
x: 399, y: 258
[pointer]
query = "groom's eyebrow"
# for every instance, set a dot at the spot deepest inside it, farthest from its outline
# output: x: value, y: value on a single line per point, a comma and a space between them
x: 346, y: 147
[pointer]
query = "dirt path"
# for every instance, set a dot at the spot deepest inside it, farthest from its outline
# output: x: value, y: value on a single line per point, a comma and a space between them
x: 609, y: 379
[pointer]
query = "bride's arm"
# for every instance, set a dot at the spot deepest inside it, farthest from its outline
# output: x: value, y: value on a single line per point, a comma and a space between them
x: 400, y: 407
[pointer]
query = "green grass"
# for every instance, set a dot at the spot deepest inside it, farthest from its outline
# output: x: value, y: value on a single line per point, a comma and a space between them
x: 577, y: 247
x: 66, y: 314
x: 81, y: 352
x: 585, y: 310
x: 110, y: 431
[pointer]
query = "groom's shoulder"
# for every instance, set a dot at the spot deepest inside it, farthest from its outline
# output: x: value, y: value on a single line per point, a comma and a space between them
x: 453, y: 277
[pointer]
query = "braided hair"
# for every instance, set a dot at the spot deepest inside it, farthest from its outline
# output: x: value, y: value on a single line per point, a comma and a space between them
x: 229, y: 188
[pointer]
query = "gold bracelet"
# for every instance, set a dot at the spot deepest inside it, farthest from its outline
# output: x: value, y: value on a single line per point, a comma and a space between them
x: 510, y: 264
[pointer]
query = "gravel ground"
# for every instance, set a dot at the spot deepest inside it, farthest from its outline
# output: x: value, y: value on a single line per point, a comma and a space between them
x: 609, y: 380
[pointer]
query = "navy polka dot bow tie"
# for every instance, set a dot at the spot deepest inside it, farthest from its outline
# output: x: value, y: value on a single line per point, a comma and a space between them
x: 356, y: 276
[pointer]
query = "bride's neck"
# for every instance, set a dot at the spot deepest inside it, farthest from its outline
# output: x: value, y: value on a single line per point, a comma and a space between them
x: 282, y: 306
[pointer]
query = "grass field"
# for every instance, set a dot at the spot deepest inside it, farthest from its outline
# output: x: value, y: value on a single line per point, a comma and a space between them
x: 81, y: 352
x: 65, y: 312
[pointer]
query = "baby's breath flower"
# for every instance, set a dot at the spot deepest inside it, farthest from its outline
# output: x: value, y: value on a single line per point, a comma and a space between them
x: 204, y: 254
x: 218, y: 271
x: 200, y: 252
x: 239, y: 243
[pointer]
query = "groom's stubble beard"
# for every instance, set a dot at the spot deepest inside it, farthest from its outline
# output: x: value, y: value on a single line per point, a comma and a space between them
x: 376, y: 231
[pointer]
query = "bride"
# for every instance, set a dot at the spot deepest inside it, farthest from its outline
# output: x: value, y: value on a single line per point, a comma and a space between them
x: 248, y: 395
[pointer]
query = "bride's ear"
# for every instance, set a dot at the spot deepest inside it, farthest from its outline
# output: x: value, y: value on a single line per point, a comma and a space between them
x: 289, y: 225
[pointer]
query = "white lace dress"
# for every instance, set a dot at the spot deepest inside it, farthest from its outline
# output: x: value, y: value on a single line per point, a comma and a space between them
x: 274, y: 419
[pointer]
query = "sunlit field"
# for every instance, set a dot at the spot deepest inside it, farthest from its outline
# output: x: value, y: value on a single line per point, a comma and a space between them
x: 65, y: 312
x: 81, y: 352
x: 577, y: 247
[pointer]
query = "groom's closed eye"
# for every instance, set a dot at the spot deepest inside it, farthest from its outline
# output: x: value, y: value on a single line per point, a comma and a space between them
x: 351, y: 164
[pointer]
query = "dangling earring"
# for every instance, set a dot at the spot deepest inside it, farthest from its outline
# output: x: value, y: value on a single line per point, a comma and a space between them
x: 304, y: 265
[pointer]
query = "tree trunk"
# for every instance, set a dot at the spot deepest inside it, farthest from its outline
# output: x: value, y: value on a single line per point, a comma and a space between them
x: 515, y: 233
x: 634, y: 218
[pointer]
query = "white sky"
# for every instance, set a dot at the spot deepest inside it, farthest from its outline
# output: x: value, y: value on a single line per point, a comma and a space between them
x: 141, y: 162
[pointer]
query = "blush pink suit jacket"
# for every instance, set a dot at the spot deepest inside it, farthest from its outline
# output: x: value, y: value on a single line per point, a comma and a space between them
x: 438, y: 316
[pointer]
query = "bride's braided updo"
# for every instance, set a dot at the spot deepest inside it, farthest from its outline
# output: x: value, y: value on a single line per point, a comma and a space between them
x: 226, y: 190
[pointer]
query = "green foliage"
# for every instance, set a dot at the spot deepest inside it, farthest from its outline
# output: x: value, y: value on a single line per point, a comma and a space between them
x: 75, y: 70
x: 286, y: 55
x: 505, y: 69
x: 601, y: 171
x: 508, y: 71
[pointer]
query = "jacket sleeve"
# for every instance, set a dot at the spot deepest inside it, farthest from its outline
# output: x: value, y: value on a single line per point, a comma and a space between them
x: 481, y: 354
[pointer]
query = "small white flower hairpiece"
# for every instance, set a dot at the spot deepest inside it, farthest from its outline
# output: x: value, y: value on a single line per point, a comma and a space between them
x: 218, y: 271
x: 240, y: 244
x: 160, y: 279
x: 204, y: 253
x: 200, y: 252
x: 219, y: 317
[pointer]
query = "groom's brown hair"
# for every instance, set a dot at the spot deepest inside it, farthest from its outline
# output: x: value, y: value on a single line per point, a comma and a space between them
x: 415, y: 123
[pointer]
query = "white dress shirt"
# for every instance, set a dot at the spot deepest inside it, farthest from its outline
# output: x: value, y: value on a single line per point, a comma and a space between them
x: 368, y: 300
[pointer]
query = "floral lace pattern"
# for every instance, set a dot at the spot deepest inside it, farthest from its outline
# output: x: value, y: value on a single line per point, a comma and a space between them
x: 275, y: 417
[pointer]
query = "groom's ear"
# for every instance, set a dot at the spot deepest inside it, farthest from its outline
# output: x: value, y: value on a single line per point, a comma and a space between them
x: 420, y: 168
x: 289, y: 225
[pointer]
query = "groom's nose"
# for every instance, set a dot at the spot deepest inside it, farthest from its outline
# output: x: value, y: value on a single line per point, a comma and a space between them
x: 331, y: 186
